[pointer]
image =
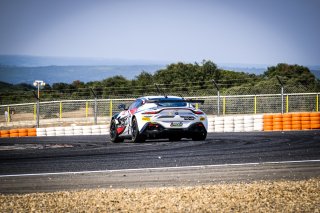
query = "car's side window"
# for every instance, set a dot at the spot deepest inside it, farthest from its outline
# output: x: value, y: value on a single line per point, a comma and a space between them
x: 135, y: 104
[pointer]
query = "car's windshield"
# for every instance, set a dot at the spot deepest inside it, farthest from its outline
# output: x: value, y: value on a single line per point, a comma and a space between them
x: 170, y: 102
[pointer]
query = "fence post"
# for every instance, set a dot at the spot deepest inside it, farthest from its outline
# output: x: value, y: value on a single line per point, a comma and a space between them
x: 287, y: 104
x: 60, y: 109
x: 317, y: 103
x: 87, y: 109
x: 95, y: 107
x: 255, y: 104
x: 282, y: 98
x: 9, y: 117
x: 37, y: 110
x: 224, y: 105
x: 215, y: 84
x: 110, y: 109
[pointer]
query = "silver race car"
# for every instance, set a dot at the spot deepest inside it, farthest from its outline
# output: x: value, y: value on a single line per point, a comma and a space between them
x: 155, y: 117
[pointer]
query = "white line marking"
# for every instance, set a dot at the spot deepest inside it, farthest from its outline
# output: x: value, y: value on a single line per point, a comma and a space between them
x: 159, y: 168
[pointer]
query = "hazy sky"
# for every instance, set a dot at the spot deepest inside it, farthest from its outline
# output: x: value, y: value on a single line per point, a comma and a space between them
x: 225, y: 31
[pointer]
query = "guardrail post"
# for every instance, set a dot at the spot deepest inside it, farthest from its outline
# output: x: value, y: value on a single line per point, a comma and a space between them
x: 37, y: 109
x: 87, y: 109
x: 255, y: 104
x: 60, y: 109
x: 287, y: 103
x: 317, y: 103
x: 110, y: 108
x: 216, y: 85
x: 95, y: 107
x: 224, y: 105
x: 282, y: 98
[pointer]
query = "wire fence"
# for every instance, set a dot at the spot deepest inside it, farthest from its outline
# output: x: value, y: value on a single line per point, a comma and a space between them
x: 88, y: 106
x: 98, y: 111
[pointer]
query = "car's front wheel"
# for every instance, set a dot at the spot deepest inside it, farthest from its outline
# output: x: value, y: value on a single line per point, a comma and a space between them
x: 114, y: 136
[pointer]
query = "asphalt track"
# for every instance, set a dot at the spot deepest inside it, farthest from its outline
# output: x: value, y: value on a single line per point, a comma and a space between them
x: 78, y: 162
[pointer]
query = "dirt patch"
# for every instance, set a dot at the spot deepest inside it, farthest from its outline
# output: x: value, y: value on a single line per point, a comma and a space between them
x: 265, y: 196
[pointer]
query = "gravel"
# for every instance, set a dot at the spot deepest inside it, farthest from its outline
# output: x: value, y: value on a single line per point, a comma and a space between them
x: 262, y: 196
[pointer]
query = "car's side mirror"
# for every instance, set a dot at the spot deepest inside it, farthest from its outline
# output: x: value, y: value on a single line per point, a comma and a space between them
x: 122, y: 106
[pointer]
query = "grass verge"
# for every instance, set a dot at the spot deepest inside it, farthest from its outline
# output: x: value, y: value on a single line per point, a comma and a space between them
x: 262, y: 196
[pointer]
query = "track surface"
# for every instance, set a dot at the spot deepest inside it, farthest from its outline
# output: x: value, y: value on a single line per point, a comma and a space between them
x: 28, y: 164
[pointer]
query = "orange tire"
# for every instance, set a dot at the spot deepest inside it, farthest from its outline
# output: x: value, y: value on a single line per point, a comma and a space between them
x: 32, y: 130
x: 22, y: 130
x: 285, y: 119
x: 277, y: 119
x: 12, y: 131
x: 287, y: 127
x: 4, y: 132
x: 305, y: 114
x: 23, y: 134
x: 267, y: 116
x: 315, y: 119
x: 315, y: 114
x: 314, y: 122
x: 305, y: 118
x: 305, y: 122
x: 13, y: 135
x: 305, y: 126
x: 287, y: 115
x: 5, y: 135
x: 32, y: 134
x: 296, y: 118
x: 277, y: 116
x: 277, y: 123
x: 296, y: 122
x: 267, y: 128
x: 296, y: 127
x: 315, y: 126
x: 287, y: 122
x: 277, y: 127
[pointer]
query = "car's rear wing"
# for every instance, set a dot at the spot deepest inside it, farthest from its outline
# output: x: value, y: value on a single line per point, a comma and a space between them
x: 175, y: 101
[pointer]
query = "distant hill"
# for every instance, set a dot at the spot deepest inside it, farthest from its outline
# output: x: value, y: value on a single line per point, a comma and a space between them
x: 67, y: 74
x: 16, y: 69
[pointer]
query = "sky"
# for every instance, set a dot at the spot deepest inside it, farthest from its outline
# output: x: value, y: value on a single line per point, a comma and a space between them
x: 224, y: 31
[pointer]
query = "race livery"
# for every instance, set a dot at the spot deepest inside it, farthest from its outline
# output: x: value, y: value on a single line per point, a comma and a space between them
x: 155, y: 117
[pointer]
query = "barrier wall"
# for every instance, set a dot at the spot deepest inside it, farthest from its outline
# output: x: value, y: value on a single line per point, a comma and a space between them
x: 234, y: 123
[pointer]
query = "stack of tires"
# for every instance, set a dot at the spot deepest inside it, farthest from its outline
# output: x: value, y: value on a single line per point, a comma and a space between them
x: 258, y: 122
x: 219, y: 124
x: 287, y: 122
x: 51, y: 131
x: 68, y: 131
x: 268, y: 122
x: 315, y: 120
x: 248, y: 123
x: 238, y: 124
x: 277, y: 122
x: 296, y: 121
x: 228, y: 124
x: 41, y: 132
x: 4, y: 134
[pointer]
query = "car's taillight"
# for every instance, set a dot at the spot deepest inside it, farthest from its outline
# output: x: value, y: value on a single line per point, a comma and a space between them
x: 197, y: 112
x: 150, y: 112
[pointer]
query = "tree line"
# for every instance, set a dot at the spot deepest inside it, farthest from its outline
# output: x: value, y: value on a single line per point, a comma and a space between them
x: 176, y: 78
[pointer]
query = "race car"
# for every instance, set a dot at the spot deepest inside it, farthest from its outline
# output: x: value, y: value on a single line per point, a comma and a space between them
x: 159, y: 117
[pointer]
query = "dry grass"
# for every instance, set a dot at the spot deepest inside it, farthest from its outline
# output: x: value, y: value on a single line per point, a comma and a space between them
x: 278, y: 196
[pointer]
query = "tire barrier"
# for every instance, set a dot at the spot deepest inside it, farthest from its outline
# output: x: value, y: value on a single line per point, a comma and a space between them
x: 236, y: 123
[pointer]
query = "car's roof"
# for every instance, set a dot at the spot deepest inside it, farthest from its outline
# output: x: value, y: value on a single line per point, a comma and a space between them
x: 156, y: 97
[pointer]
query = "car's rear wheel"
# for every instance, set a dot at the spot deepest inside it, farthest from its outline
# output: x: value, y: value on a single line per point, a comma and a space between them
x: 114, y: 136
x: 135, y: 134
x: 200, y: 136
